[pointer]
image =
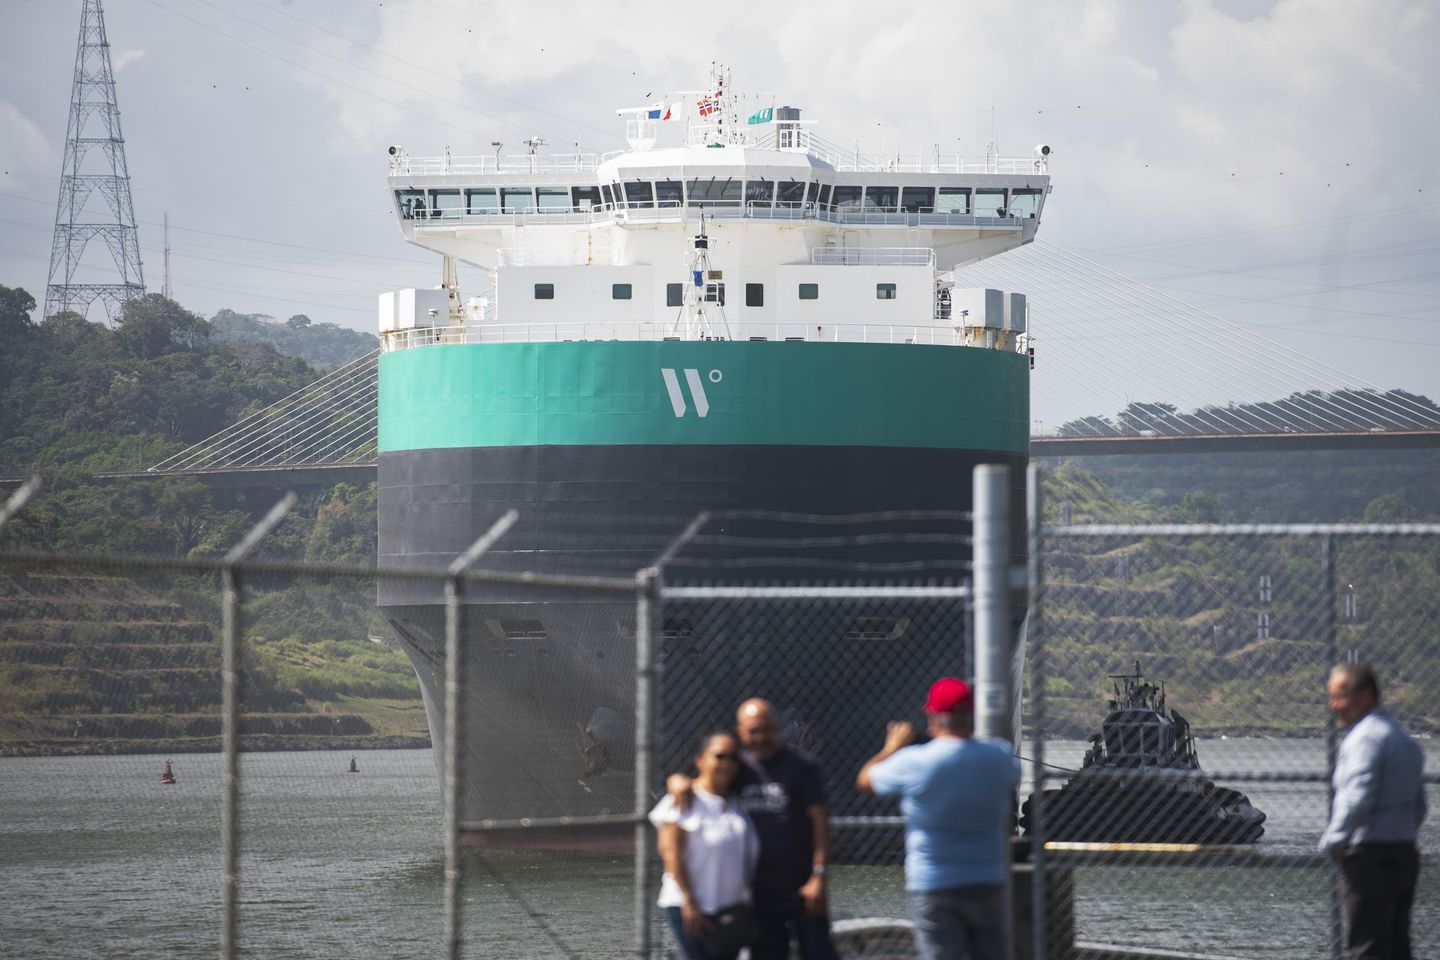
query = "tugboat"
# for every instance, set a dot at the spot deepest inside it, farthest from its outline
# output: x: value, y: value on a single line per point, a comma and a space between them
x: 1141, y: 782
x: 167, y: 775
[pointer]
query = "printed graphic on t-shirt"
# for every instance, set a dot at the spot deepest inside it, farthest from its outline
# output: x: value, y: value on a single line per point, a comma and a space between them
x: 765, y: 798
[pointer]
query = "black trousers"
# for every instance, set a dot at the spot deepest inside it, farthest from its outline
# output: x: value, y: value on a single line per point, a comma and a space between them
x: 1377, y: 886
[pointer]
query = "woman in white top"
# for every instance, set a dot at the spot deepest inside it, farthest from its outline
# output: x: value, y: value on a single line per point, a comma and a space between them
x: 709, y: 848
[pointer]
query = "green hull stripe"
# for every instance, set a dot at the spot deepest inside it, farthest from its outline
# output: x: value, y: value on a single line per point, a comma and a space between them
x: 824, y: 394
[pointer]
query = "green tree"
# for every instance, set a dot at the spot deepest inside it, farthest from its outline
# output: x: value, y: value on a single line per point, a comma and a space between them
x: 15, y: 308
x: 154, y: 325
x: 1198, y: 507
x: 1390, y: 508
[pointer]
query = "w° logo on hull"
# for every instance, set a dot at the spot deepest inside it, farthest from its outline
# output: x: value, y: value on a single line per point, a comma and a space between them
x: 697, y: 390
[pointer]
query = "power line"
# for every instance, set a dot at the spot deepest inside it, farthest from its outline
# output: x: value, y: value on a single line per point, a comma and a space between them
x: 313, y: 72
x: 435, y: 73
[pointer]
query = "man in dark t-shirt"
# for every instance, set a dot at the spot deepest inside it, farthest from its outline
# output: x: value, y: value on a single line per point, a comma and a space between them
x: 782, y: 791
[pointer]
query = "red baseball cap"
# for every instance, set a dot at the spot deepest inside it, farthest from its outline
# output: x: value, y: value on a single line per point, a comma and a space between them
x: 949, y: 695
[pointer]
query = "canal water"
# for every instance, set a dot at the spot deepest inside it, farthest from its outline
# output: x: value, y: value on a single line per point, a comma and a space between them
x: 98, y: 859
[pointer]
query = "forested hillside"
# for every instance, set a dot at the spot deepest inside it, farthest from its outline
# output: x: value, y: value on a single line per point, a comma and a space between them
x: 322, y: 345
x: 86, y: 654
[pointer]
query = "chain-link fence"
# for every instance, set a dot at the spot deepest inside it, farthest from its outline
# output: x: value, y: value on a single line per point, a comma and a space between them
x: 1177, y: 713
x: 190, y: 767
x: 835, y: 663
x: 1196, y: 656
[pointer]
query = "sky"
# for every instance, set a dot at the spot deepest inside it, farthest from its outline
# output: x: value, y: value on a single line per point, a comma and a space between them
x: 1275, y: 164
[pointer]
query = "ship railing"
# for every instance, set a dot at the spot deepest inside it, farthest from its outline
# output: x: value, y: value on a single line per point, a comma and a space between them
x: 874, y: 256
x: 840, y: 158
x: 668, y: 211
x: 402, y: 164
x: 938, y: 334
x: 851, y: 160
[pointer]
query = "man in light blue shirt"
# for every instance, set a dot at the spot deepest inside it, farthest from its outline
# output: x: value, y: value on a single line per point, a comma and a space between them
x: 1379, y: 805
x: 958, y: 798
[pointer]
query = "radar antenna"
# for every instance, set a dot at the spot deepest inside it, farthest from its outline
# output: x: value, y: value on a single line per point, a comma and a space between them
x: 534, y: 144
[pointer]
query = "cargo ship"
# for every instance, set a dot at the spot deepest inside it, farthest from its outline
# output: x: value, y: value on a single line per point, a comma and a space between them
x: 733, y: 315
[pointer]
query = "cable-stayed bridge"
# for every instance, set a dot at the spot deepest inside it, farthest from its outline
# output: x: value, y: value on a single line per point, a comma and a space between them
x: 1122, y: 368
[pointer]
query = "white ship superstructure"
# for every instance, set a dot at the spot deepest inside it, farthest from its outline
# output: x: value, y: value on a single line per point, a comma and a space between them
x: 806, y: 241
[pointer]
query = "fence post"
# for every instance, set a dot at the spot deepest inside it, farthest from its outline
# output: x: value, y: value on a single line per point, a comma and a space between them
x: 17, y: 499
x: 1330, y: 628
x: 647, y: 620
x: 454, y: 715
x: 992, y: 601
x: 1035, y: 635
x: 230, y: 724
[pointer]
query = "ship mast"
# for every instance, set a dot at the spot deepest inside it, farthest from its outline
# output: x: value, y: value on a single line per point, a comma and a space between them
x: 702, y: 313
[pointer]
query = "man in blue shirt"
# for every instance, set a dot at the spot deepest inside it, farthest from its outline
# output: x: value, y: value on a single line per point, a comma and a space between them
x: 1379, y: 805
x: 958, y: 798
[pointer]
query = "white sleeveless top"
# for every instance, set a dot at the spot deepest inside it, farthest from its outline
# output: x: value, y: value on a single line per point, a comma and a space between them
x: 720, y: 850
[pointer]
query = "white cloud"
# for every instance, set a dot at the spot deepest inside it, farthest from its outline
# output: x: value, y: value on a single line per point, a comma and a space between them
x: 27, y: 155
x: 120, y: 59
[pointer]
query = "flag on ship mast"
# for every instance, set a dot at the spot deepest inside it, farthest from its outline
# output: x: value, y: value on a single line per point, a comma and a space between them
x: 765, y: 115
x: 659, y: 111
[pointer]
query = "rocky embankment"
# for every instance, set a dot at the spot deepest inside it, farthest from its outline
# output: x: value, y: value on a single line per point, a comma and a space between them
x: 97, y: 664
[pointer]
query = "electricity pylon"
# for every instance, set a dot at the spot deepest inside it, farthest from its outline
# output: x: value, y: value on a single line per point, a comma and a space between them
x: 93, y: 131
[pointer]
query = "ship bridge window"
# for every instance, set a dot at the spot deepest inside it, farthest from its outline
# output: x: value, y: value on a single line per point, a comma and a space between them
x: 953, y: 200
x: 918, y: 199
x: 809, y: 291
x: 583, y: 198
x: 811, y: 191
x: 714, y: 192
x: 884, y: 198
x: 1024, y: 203
x: 792, y: 194
x: 669, y: 194
x: 445, y: 203
x: 990, y: 203
x: 517, y: 199
x: 412, y: 203
x: 605, y: 192
x: 760, y: 192
x: 552, y: 198
x: 824, y: 195
x: 639, y: 193
x: 884, y: 291
x: 846, y: 196
x: 481, y: 200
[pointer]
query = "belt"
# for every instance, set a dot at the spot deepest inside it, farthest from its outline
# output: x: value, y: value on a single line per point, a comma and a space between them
x: 1383, y: 845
